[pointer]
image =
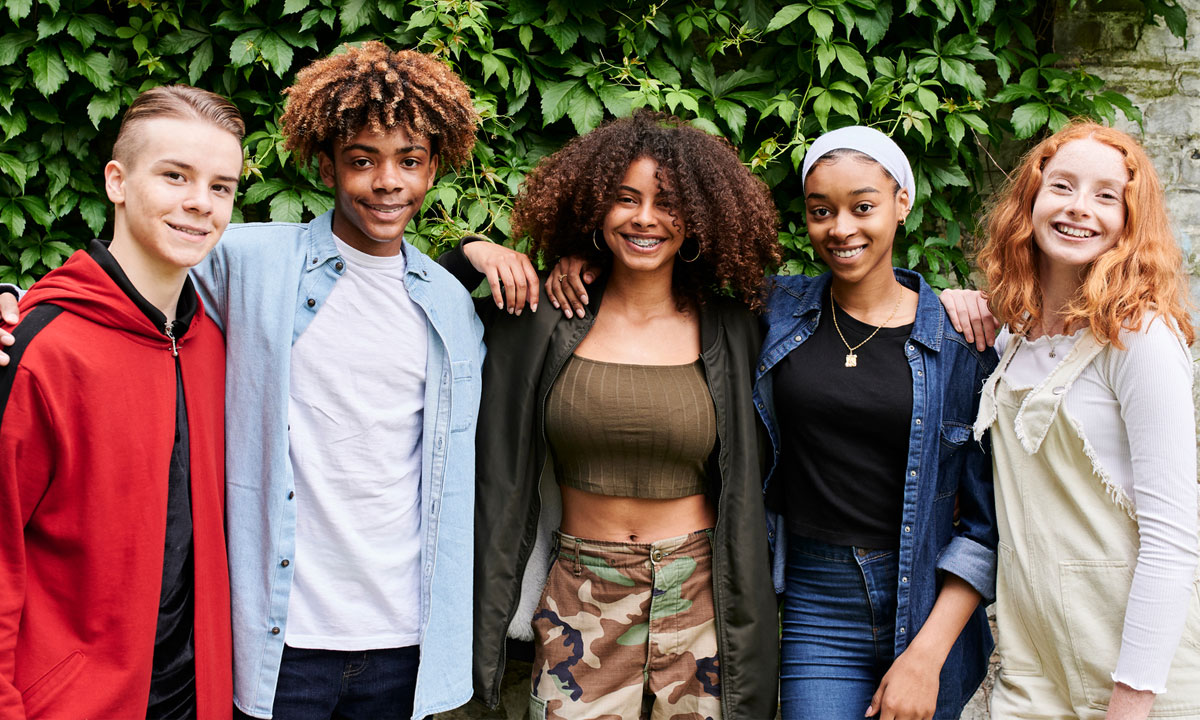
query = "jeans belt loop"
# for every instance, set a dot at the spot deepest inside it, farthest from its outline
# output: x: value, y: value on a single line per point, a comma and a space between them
x: 578, y: 569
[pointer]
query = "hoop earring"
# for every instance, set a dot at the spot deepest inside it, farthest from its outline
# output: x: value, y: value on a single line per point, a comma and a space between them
x: 902, y: 222
x: 595, y: 244
x: 679, y: 252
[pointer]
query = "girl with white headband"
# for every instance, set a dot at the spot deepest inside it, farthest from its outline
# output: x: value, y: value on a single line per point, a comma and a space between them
x: 885, y: 536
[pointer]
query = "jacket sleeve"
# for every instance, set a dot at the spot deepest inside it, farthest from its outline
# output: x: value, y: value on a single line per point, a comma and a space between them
x: 971, y: 552
x: 26, y: 463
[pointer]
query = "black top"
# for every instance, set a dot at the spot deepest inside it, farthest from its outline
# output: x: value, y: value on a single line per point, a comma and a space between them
x: 844, y: 433
x: 173, y: 679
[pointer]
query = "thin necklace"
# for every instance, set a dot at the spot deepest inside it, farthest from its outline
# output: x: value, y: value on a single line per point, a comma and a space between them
x: 851, y: 358
x: 1051, y: 342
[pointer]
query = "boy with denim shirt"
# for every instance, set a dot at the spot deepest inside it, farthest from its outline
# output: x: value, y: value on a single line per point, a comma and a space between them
x: 352, y: 390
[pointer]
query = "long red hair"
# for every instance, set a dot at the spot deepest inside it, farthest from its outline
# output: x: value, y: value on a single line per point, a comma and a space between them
x: 1142, y: 274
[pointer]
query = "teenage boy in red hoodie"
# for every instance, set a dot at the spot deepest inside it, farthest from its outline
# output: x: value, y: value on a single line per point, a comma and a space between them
x: 114, y: 590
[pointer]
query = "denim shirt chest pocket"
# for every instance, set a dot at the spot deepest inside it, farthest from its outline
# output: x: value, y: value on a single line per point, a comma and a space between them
x: 951, y: 439
x: 464, y: 395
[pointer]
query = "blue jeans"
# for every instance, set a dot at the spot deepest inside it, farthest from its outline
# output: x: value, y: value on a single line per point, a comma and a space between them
x: 345, y: 685
x: 838, y: 627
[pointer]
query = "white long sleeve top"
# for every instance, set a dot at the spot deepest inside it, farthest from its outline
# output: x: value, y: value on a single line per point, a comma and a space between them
x: 1138, y: 420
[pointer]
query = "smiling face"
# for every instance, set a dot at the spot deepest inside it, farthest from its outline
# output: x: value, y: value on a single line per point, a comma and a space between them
x: 642, y: 228
x: 173, y: 198
x: 853, y: 210
x: 1079, y: 212
x: 379, y: 182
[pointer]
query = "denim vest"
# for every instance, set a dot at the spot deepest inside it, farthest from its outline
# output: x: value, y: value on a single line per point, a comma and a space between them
x: 263, y: 284
x: 943, y: 465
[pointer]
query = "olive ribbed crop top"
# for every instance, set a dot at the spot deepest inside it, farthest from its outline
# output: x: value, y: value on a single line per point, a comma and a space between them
x: 643, y: 431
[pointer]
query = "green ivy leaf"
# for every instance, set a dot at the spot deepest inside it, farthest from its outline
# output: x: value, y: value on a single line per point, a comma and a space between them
x: 821, y: 22
x: 852, y: 61
x: 51, y: 25
x: 318, y: 203
x: 617, y: 100
x: 14, y: 168
x: 1029, y: 118
x: 734, y: 116
x: 525, y: 35
x: 873, y: 23
x: 18, y: 9
x: 58, y: 169
x: 955, y: 129
x: 555, y: 100
x: 94, y: 212
x: 244, y: 49
x: 202, y: 59
x: 103, y: 107
x: 663, y: 70
x: 13, y: 124
x: 287, y: 207
x: 492, y: 65
x: 262, y: 190
x: 786, y: 16
x: 585, y: 110
x: 564, y: 36
x: 355, y: 14
x: 49, y: 71
x: 294, y: 6
x: 180, y: 42
x: 36, y: 208
x: 97, y: 68
x: 11, y: 216
x: 12, y: 44
x: 275, y: 51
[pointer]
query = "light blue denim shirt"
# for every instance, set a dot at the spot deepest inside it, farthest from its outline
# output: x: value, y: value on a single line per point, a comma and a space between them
x: 948, y: 521
x: 263, y: 284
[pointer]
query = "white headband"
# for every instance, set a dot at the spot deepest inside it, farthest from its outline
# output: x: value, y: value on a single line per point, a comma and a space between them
x: 870, y: 142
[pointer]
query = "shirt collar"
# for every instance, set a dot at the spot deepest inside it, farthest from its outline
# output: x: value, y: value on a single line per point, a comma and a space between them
x: 322, y: 249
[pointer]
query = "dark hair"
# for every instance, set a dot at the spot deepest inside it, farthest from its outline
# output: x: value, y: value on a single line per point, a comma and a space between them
x: 728, y: 215
x: 182, y: 102
x: 334, y: 98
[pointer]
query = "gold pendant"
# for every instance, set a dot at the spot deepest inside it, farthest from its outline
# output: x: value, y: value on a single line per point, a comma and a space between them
x: 851, y: 360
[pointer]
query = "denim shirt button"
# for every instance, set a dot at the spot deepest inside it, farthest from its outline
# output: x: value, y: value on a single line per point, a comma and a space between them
x: 902, y: 629
x: 311, y: 302
x: 908, y: 528
x: 275, y: 630
x: 291, y: 494
x: 797, y: 338
x: 285, y: 562
x: 904, y: 579
x: 762, y: 368
x: 913, y: 473
x: 920, y: 373
x: 918, y: 421
x: 338, y: 266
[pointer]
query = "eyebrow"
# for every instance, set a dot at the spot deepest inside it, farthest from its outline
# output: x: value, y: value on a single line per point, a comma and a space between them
x: 628, y: 189
x: 362, y: 147
x: 190, y: 168
x: 861, y: 191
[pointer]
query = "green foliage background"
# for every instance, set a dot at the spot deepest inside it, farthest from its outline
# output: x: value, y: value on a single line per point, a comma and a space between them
x: 951, y: 80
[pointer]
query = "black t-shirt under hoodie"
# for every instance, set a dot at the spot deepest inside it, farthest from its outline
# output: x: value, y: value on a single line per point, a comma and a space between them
x: 173, y: 679
x: 844, y: 433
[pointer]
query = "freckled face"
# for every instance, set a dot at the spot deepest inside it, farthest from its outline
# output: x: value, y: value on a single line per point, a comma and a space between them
x: 643, y: 228
x: 1079, y: 212
x: 379, y: 182
x: 853, y: 211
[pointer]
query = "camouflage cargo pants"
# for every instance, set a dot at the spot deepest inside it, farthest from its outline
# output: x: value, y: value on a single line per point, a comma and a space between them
x: 626, y: 631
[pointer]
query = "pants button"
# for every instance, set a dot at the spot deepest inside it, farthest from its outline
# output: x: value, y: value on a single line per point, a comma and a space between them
x: 862, y: 552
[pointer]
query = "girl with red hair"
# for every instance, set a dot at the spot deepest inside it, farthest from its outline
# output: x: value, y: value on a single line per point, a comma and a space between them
x: 1093, y: 437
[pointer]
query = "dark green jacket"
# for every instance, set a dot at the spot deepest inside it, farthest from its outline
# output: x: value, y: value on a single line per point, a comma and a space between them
x: 524, y: 356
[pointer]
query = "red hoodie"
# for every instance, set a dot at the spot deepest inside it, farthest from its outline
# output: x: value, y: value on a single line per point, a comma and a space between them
x: 86, y: 434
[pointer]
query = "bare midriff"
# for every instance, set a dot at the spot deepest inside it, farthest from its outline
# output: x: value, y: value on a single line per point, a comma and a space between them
x: 633, y: 520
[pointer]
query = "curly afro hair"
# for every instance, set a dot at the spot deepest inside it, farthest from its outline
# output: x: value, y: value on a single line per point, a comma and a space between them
x: 370, y: 86
x: 725, y: 209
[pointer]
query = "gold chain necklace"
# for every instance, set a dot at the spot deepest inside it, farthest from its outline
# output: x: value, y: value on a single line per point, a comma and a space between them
x: 851, y: 358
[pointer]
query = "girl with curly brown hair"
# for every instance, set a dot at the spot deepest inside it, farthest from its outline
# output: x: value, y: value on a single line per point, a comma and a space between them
x: 618, y: 449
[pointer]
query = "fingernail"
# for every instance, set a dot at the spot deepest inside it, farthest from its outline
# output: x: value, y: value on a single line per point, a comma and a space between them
x: 589, y: 277
x: 567, y: 312
x: 555, y: 304
x: 519, y: 311
x: 580, y: 311
x: 584, y: 298
x: 533, y: 307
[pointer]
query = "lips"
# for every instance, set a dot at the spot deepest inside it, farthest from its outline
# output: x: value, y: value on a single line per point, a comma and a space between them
x: 643, y: 241
x: 189, y: 230
x: 390, y: 210
x: 1074, y: 232
x: 847, y: 253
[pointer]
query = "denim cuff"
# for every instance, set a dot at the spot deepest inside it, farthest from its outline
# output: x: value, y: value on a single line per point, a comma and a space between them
x: 973, y: 562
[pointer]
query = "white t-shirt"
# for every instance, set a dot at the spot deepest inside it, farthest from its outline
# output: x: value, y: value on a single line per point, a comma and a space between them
x: 355, y: 425
x: 1136, y: 415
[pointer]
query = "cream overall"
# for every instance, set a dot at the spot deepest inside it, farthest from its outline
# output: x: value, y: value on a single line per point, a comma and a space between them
x: 1068, y: 546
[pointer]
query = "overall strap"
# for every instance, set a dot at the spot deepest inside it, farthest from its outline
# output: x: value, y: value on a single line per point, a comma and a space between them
x: 1040, y: 406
